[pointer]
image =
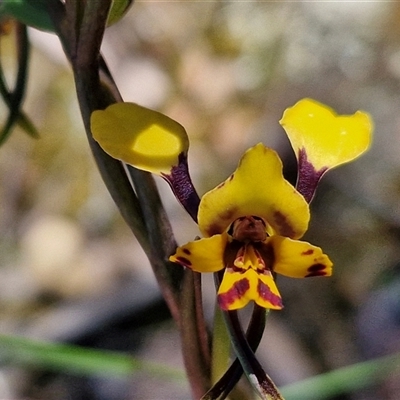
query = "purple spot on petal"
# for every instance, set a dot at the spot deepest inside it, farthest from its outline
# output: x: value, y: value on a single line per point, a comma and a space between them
x: 228, y: 214
x: 316, y: 270
x: 225, y: 220
x: 214, y: 229
x: 235, y: 292
x: 307, y: 252
x: 316, y: 267
x: 186, y: 251
x: 184, y: 261
x: 266, y: 294
x: 284, y: 228
x: 308, y: 176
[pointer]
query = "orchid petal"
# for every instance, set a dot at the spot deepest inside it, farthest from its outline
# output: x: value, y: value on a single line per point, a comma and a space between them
x: 297, y: 259
x: 150, y: 141
x: 238, y: 288
x: 257, y: 187
x: 321, y: 140
x: 141, y: 137
x: 203, y: 255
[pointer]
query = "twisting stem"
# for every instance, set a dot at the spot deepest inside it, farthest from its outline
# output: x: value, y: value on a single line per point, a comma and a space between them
x: 227, y: 382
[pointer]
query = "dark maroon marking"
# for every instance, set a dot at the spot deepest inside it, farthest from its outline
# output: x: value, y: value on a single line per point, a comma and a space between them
x: 267, y: 253
x: 227, y: 214
x: 234, y: 293
x: 215, y: 229
x: 230, y: 253
x: 187, y: 251
x: 265, y: 293
x: 184, y: 261
x: 307, y: 252
x: 231, y: 177
x: 285, y: 229
x: 316, y: 273
x: 307, y: 177
x: 316, y: 267
x: 182, y: 186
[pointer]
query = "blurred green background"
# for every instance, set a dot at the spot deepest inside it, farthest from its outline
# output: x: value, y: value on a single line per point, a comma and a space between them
x: 70, y: 270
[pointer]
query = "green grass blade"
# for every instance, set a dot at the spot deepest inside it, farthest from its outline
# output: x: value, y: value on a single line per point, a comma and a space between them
x: 74, y: 359
x: 343, y: 380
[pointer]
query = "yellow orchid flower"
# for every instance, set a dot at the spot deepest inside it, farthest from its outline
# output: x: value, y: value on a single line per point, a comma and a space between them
x: 250, y: 223
x: 253, y: 221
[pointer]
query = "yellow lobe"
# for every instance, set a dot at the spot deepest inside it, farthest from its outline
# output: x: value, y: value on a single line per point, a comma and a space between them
x: 238, y: 288
x: 258, y: 188
x: 203, y: 255
x: 141, y: 137
x: 328, y: 139
x: 298, y: 259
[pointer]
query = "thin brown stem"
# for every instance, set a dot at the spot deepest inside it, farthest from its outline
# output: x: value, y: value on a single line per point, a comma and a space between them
x: 197, y: 369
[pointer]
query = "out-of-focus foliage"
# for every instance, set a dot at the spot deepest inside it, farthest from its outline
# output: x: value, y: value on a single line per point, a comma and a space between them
x: 29, y: 12
x: 225, y: 71
x: 13, y: 94
x: 118, y: 10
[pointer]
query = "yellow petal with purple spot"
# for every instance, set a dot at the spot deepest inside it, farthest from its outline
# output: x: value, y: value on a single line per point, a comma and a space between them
x: 235, y: 290
x: 257, y: 188
x: 238, y: 288
x: 203, y: 255
x: 268, y: 295
x: 328, y: 139
x: 141, y: 137
x: 297, y: 259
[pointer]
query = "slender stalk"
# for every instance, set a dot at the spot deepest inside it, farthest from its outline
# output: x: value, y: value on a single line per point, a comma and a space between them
x: 161, y: 239
x: 203, y: 334
x: 143, y: 211
x: 197, y: 367
x: 231, y: 377
x: 92, y: 96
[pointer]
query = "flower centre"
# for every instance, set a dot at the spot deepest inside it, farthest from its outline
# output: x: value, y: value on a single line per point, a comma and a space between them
x: 249, y: 229
x: 248, y: 257
x: 249, y: 249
